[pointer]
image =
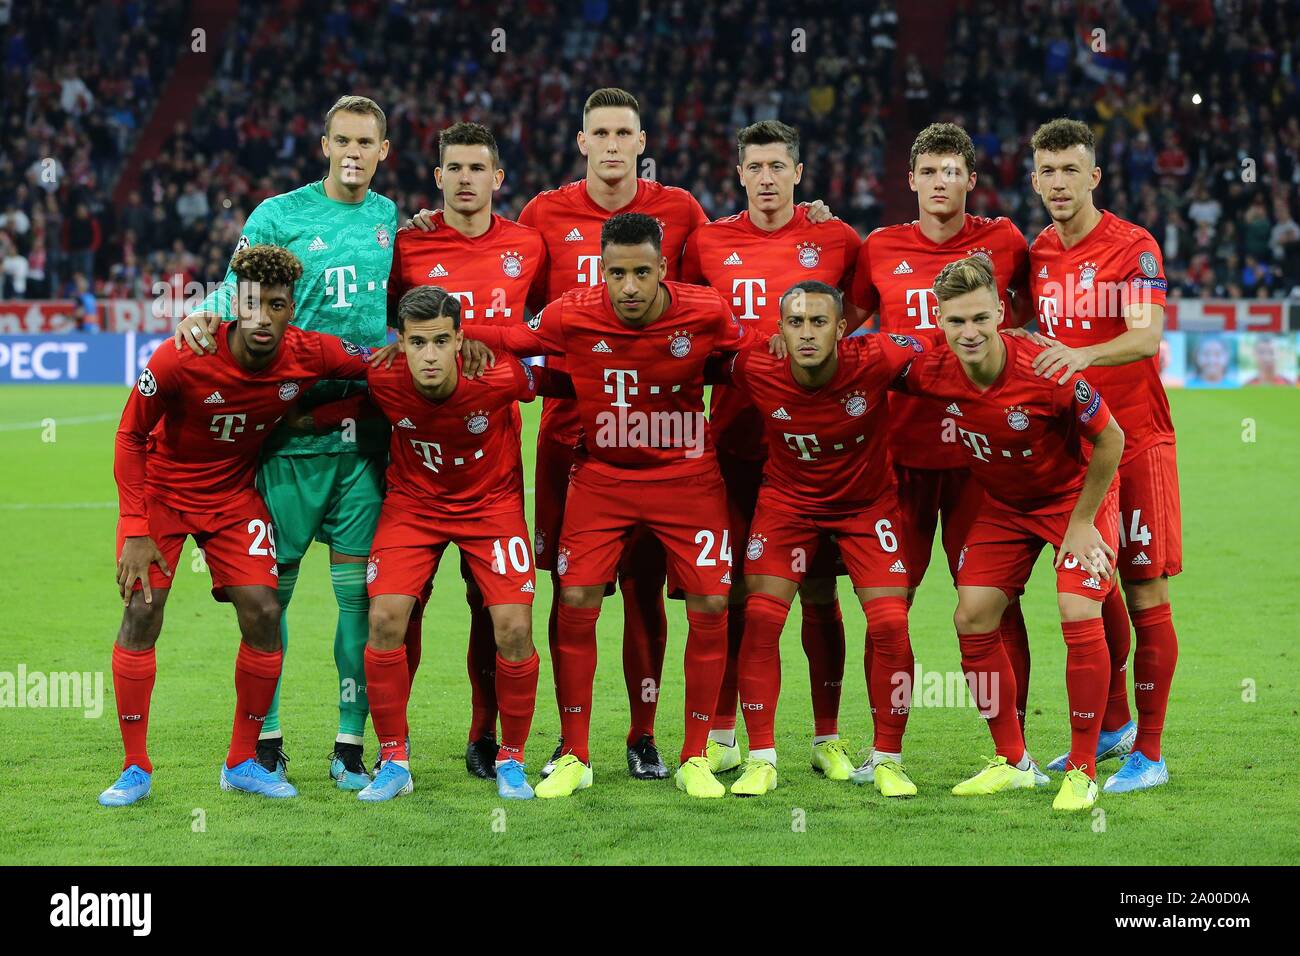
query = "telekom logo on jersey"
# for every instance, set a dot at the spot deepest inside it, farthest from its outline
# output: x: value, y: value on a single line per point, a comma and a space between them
x: 632, y: 428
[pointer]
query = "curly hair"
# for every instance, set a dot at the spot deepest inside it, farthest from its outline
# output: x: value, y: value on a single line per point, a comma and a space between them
x: 944, y: 139
x: 1061, y: 134
x: 266, y: 265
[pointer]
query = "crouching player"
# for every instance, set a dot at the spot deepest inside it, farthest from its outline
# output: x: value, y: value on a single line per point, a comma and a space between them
x: 828, y: 478
x: 184, y: 465
x: 1024, y: 437
x: 452, y: 478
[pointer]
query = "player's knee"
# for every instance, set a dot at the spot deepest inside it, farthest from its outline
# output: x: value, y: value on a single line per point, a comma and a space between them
x: 140, y: 625
x: 581, y: 597
x: 1074, y: 607
x: 260, y: 622
x: 515, y: 639
x: 387, y: 624
x: 1144, y: 595
x: 973, y: 619
x: 706, y: 603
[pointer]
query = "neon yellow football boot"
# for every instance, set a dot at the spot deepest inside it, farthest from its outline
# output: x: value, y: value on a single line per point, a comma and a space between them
x: 721, y: 757
x: 833, y: 759
x: 887, y: 774
x: 997, y: 775
x: 696, y: 780
x: 758, y: 778
x: 1078, y: 791
x: 569, y: 776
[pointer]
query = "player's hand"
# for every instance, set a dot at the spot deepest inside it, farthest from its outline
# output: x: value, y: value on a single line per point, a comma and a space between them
x: 475, y: 358
x: 422, y: 220
x: 1084, y: 541
x: 198, y: 330
x: 818, y: 211
x: 133, y: 565
x: 1060, y: 362
x: 299, y: 420
x: 387, y: 355
x: 776, y: 345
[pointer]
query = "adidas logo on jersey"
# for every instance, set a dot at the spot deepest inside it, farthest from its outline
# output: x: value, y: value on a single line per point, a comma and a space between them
x: 903, y: 269
x: 214, y: 399
x: 897, y: 567
x: 602, y: 346
x: 405, y: 423
x: 1141, y: 559
x: 437, y: 272
x: 1092, y: 583
x: 953, y: 410
x: 1042, y: 273
x: 732, y: 260
x: 528, y: 588
x: 317, y: 245
x: 781, y: 415
x: 574, y: 235
x: 726, y: 578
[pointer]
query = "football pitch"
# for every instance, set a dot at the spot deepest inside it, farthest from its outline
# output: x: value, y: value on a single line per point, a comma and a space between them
x: 1230, y: 741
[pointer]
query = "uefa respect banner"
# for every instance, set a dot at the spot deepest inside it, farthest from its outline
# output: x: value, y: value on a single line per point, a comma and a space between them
x: 76, y: 358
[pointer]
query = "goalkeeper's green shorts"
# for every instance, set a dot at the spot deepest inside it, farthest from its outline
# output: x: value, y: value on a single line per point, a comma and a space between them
x: 334, y: 499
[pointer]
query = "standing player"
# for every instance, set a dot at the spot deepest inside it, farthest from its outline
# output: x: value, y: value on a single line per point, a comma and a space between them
x: 1100, y: 287
x: 321, y: 487
x: 491, y: 265
x: 894, y: 274
x: 748, y: 258
x: 1024, y: 436
x: 636, y: 352
x: 186, y: 453
x: 828, y: 474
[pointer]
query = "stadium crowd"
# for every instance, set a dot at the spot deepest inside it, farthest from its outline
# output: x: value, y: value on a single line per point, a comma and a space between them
x: 1196, y: 105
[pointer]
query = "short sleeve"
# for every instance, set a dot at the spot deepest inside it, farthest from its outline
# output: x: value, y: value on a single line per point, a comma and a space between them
x: 1084, y: 403
x: 863, y: 292
x: 1143, y: 273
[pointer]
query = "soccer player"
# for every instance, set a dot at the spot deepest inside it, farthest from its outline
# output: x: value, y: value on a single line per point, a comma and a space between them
x: 1100, y: 287
x: 323, y: 487
x: 828, y: 474
x: 491, y: 265
x: 453, y: 478
x: 748, y: 258
x: 186, y: 454
x: 1023, y: 436
x: 636, y: 350
x: 894, y: 275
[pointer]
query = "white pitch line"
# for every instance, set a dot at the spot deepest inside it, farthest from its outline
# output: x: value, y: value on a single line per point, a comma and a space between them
x: 80, y: 420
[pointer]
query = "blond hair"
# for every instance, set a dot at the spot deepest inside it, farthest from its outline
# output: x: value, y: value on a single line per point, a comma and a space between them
x: 963, y: 276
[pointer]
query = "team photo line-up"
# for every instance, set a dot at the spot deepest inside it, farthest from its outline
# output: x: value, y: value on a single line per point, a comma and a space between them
x: 279, y: 416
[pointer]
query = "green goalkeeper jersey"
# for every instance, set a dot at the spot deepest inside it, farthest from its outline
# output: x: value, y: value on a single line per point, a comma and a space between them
x: 346, y: 251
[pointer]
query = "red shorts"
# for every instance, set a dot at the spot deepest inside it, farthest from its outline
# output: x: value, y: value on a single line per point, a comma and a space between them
x: 785, y: 545
x: 407, y: 548
x: 1150, y: 516
x: 1003, y: 545
x: 924, y: 494
x: 686, y: 515
x: 238, y: 545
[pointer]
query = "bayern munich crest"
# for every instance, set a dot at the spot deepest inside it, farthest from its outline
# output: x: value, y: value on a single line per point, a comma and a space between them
x: 1017, y: 418
x: 512, y: 264
x: 539, y: 542
x: 809, y: 254
x: 855, y: 404
x: 372, y: 571
x: 562, y: 563
x: 1087, y: 275
x: 288, y: 391
x: 754, y: 550
x: 476, y: 422
x: 679, y: 345
x: 382, y: 237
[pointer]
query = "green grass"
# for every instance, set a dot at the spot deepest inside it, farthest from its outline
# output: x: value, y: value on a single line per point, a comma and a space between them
x: 1231, y: 800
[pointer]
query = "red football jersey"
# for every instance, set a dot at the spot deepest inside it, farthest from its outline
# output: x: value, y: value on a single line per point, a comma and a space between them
x: 895, y: 273
x: 827, y: 448
x: 570, y: 222
x: 640, y: 391
x: 456, y: 457
x: 495, y: 275
x: 752, y: 268
x: 1080, y: 295
x: 193, y: 425
x: 1021, y: 437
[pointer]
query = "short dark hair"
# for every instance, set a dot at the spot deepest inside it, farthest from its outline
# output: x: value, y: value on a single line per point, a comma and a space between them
x: 631, y: 229
x: 467, y: 134
x: 266, y: 265
x: 944, y: 139
x: 611, y: 96
x: 1063, y: 133
x: 813, y: 287
x: 766, y: 132
x: 427, y: 302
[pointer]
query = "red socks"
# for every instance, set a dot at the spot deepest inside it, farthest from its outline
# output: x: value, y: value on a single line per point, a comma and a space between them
x: 993, y: 685
x: 516, y: 690
x: 706, y: 658
x: 760, y: 667
x: 823, y: 643
x: 133, y: 678
x: 481, y: 661
x: 1087, y: 677
x: 1153, y: 673
x: 645, y: 636
x: 724, y: 715
x: 1015, y: 641
x: 256, y: 674
x: 575, y: 673
x: 388, y: 685
x: 890, y: 671
x: 1114, y: 615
